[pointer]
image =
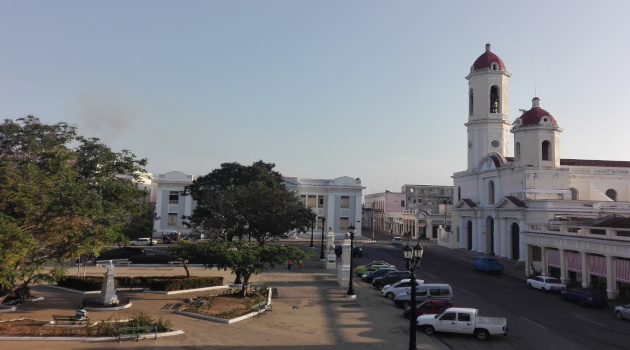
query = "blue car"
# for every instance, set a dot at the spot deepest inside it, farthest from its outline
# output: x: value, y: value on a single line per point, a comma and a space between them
x: 584, y: 296
x: 369, y: 277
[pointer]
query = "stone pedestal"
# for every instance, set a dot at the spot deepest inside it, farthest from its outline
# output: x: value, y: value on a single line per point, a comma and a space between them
x: 108, y: 291
x: 343, y: 270
x: 331, y: 257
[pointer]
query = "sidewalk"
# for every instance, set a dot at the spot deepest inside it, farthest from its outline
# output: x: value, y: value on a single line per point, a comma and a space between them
x: 311, y: 312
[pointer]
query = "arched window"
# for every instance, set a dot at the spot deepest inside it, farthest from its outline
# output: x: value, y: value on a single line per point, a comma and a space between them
x: 470, y: 102
x: 494, y: 99
x: 495, y: 66
x: 517, y: 151
x: 575, y: 195
x: 491, y: 192
x: 545, y: 150
x: 459, y: 193
x: 612, y: 194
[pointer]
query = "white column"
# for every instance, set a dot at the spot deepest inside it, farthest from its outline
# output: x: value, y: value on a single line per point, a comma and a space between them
x: 586, y: 279
x: 544, y: 269
x: 611, y: 277
x: 343, y: 271
x: 564, y: 278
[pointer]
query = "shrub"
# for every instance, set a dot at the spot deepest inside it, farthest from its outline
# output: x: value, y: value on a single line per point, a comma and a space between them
x: 172, y: 284
x: 82, y: 283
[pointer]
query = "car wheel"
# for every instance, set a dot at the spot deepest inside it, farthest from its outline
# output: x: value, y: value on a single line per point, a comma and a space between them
x: 619, y: 315
x: 530, y: 285
x: 545, y: 290
x: 481, y: 334
x: 581, y: 303
x: 390, y: 295
x: 428, y: 330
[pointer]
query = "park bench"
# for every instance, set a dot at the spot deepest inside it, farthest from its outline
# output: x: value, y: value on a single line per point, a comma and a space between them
x: 198, y: 302
x: 70, y: 319
x: 121, y: 262
x: 260, y: 307
x: 137, y: 331
x: 175, y: 262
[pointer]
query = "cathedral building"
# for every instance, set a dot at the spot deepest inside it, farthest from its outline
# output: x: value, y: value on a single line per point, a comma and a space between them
x: 531, y: 205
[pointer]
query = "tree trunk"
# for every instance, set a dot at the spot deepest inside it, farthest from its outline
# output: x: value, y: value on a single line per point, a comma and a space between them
x: 245, y: 291
x: 186, y: 268
x: 238, y: 279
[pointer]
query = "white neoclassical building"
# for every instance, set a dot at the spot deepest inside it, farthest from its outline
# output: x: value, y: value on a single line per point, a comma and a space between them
x: 531, y: 205
x: 338, y: 200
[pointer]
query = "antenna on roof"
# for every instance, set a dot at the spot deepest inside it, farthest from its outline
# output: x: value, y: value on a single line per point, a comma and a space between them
x: 535, y: 91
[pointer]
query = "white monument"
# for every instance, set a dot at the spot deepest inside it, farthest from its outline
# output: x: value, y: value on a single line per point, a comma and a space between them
x: 108, y: 292
x: 343, y: 269
x: 331, y: 257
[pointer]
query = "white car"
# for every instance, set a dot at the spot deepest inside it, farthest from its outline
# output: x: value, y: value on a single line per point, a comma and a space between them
x: 622, y: 312
x: 397, y: 240
x: 546, y: 284
x: 402, y: 286
x: 143, y: 241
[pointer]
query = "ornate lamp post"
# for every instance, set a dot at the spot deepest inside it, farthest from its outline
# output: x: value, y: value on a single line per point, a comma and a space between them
x: 351, y: 231
x: 314, y: 217
x: 413, y: 256
x: 321, y: 256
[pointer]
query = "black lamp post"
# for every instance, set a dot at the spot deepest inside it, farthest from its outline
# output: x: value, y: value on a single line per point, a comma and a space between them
x: 321, y: 256
x: 413, y: 256
x: 351, y: 231
x: 312, y: 228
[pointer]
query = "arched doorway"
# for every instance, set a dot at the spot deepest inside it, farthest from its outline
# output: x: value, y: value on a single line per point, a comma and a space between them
x: 516, y: 251
x: 490, y: 235
x: 469, y: 234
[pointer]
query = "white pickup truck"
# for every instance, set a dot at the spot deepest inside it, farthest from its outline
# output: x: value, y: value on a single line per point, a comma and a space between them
x: 462, y: 320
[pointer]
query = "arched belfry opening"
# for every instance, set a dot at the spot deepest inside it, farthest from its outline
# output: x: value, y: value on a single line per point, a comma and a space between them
x: 470, y: 102
x: 546, y: 148
x: 494, y: 99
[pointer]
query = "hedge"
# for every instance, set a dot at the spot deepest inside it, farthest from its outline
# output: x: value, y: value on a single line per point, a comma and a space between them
x: 161, y: 283
x: 172, y: 284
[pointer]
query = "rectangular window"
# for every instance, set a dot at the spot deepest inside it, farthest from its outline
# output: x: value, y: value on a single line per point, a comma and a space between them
x: 172, y: 220
x: 344, y: 223
x: 312, y: 201
x: 402, y: 203
x: 173, y: 197
x: 345, y: 202
x: 320, y: 201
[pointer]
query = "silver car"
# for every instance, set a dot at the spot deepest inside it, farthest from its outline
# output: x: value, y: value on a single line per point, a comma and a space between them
x: 622, y: 312
x: 397, y: 240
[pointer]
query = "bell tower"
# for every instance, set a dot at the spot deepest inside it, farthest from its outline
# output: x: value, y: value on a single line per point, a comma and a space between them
x: 488, y: 126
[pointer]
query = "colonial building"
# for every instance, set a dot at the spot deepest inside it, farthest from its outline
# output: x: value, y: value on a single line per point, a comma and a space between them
x: 338, y: 200
x: 530, y: 206
x: 418, y: 210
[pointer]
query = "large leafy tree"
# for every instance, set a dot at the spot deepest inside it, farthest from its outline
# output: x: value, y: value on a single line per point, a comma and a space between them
x: 61, y: 196
x: 242, y: 258
x: 233, y: 196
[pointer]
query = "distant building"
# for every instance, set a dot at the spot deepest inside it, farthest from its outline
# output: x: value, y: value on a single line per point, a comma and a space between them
x: 339, y: 200
x: 418, y: 210
x: 534, y: 206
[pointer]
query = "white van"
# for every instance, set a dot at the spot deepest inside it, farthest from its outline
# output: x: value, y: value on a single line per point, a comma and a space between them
x: 425, y: 292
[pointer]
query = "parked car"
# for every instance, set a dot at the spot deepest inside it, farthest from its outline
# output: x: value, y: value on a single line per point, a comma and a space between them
x: 462, y: 320
x: 363, y: 267
x: 429, y: 307
x: 487, y: 264
x: 397, y: 240
x: 392, y: 290
x: 374, y: 268
x: 622, y: 312
x: 425, y: 292
x: 143, y: 241
x: 584, y: 296
x: 368, y: 277
x: 546, y: 284
x: 392, y: 277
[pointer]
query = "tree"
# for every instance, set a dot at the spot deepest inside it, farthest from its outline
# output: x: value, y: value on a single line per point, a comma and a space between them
x: 235, y: 195
x: 61, y: 196
x: 242, y: 258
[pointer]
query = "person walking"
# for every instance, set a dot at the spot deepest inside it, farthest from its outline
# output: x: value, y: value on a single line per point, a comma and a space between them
x: 300, y: 264
x: 289, y: 264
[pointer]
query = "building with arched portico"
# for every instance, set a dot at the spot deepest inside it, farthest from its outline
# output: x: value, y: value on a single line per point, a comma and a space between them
x: 534, y: 206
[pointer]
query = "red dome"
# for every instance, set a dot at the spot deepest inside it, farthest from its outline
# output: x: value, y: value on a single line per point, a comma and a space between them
x: 536, y: 114
x: 486, y: 60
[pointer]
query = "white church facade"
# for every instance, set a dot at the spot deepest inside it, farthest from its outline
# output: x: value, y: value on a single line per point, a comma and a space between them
x: 533, y: 206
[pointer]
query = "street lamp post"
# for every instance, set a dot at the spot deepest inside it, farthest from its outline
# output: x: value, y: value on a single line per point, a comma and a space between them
x: 413, y: 256
x: 321, y: 256
x: 351, y: 231
x: 249, y: 235
x: 312, y: 228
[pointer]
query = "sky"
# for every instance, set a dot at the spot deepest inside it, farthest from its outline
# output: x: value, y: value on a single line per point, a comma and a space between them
x: 374, y: 90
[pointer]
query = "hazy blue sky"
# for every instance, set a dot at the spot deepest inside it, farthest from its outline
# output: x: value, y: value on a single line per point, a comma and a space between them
x: 368, y: 89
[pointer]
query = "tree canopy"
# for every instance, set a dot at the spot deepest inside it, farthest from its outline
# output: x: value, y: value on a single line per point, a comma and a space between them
x: 242, y: 258
x: 61, y: 196
x: 233, y: 196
